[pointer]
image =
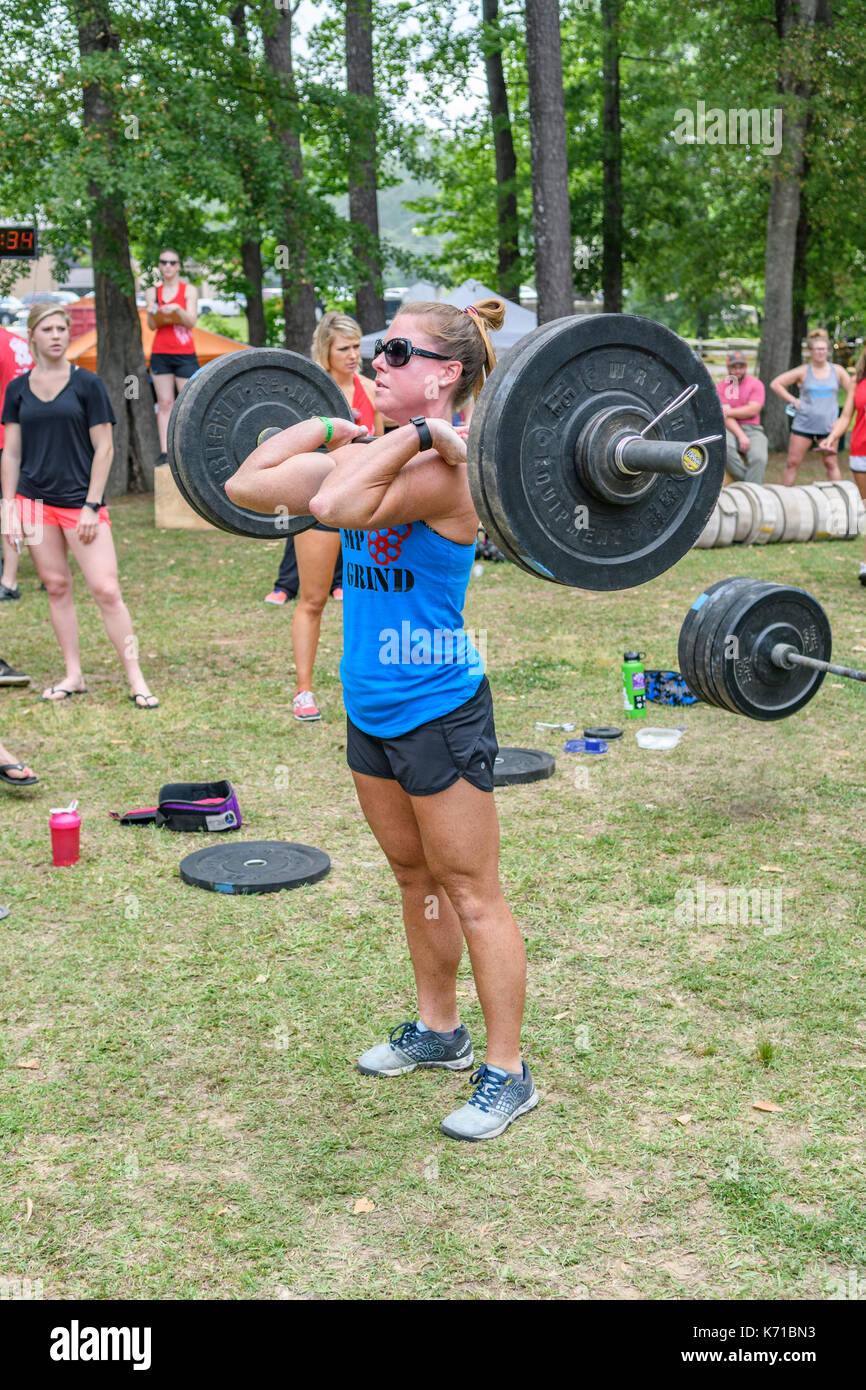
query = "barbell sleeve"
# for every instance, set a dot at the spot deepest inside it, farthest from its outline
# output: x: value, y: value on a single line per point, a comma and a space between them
x: 784, y: 656
x: 632, y: 455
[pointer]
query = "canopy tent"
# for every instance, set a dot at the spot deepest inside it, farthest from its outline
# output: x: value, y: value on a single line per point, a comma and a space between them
x: 82, y: 350
x: 518, y: 321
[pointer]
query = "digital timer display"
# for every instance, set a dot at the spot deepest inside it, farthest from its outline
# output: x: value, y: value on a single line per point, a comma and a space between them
x: 18, y: 244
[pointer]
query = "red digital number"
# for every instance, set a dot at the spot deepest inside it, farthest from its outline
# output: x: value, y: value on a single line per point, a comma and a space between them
x: 13, y: 239
x: 27, y: 239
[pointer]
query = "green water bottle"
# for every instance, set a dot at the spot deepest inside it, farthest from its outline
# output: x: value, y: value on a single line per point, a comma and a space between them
x: 633, y: 685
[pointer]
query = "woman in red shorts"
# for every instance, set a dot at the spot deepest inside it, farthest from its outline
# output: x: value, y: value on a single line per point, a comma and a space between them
x: 172, y: 309
x: 56, y: 460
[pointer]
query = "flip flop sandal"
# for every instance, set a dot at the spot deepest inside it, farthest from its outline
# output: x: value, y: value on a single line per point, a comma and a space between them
x: 16, y: 781
x: 141, y: 696
x: 59, y: 693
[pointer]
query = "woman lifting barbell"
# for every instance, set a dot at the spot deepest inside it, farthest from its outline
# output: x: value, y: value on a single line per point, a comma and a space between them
x: 421, y: 741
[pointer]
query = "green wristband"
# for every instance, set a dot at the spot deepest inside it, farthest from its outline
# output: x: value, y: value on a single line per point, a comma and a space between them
x: 329, y: 427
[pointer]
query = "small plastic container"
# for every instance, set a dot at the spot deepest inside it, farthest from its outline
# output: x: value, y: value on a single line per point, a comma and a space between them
x: 65, y: 825
x: 661, y: 739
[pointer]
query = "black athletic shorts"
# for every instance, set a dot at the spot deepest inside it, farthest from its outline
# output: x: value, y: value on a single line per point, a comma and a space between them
x: 437, y: 754
x: 183, y: 364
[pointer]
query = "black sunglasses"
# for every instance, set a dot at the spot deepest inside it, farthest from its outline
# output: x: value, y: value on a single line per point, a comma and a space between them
x: 168, y: 262
x: 398, y: 351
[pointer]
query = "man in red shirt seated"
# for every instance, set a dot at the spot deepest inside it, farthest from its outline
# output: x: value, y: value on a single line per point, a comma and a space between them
x: 15, y: 360
x: 742, y: 398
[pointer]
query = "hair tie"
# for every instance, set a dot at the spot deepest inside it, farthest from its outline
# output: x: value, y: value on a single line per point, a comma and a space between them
x: 470, y: 309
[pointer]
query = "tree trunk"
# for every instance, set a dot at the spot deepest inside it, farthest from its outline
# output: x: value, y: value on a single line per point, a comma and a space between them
x: 120, y: 356
x: 251, y: 260
x: 783, y: 216
x: 508, y: 275
x: 363, y: 208
x: 251, y: 246
x: 299, y: 296
x: 611, y: 161
x: 799, y: 311
x: 550, y: 209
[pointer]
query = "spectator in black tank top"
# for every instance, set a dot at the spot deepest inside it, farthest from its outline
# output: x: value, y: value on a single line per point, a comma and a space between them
x: 56, y: 460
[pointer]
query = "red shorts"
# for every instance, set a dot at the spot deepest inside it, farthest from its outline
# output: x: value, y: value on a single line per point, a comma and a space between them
x: 33, y: 514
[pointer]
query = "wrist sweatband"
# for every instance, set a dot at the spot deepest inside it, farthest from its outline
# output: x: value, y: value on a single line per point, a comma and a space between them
x: 329, y: 427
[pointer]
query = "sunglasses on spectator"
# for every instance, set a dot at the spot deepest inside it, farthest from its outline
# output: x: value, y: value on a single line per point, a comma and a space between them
x: 399, y: 350
x: 167, y: 261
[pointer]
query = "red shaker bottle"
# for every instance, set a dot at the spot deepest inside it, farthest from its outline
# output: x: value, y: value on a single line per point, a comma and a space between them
x: 65, y: 824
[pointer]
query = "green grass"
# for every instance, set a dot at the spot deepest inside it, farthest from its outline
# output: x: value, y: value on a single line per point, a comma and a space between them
x: 195, y: 1128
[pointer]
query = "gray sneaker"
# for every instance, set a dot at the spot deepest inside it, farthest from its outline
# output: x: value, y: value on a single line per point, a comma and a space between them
x: 498, y: 1099
x: 408, y: 1049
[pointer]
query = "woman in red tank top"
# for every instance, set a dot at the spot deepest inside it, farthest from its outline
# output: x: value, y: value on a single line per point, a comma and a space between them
x: 336, y: 346
x: 172, y: 309
x: 854, y: 405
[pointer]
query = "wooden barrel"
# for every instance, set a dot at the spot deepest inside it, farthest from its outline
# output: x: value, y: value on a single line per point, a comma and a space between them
x: 799, y: 517
x: 728, y: 517
x: 707, y: 539
x: 747, y: 501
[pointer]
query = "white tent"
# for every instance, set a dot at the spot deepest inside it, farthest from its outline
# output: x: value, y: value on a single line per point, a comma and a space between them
x: 518, y: 321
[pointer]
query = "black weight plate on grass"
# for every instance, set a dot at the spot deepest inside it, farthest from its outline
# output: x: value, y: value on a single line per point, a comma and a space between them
x: 605, y: 731
x: 259, y: 866
x: 522, y: 765
x: 221, y: 413
x: 523, y: 437
x: 702, y: 614
x: 756, y: 687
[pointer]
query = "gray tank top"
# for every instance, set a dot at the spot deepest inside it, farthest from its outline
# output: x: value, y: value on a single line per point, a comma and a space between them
x: 819, y: 403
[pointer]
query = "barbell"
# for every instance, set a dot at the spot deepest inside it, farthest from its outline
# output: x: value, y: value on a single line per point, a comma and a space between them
x: 757, y: 648
x: 595, y: 452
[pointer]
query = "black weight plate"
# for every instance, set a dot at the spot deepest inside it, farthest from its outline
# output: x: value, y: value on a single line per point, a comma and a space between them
x: 220, y: 415
x: 173, y: 421
x: 259, y: 866
x: 521, y: 765
x: 474, y: 449
x: 717, y: 632
x: 716, y: 648
x: 524, y: 431
x: 605, y: 731
x: 754, y: 685
x: 701, y: 615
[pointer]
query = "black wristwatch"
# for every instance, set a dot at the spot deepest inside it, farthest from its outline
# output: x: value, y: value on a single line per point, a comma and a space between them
x: 423, y: 429
x: 94, y: 506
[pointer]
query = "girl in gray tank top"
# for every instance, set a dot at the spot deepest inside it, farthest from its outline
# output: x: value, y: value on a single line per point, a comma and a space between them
x: 818, y: 409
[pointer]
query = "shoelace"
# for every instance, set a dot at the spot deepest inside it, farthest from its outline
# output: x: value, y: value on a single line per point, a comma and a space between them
x: 403, y: 1031
x: 488, y: 1084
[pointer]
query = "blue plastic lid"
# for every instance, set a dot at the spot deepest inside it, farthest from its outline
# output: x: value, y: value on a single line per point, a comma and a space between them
x: 585, y: 745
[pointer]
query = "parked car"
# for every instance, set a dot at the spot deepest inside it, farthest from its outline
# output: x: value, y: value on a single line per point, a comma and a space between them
x: 226, y: 308
x: 9, y: 306
x: 55, y: 296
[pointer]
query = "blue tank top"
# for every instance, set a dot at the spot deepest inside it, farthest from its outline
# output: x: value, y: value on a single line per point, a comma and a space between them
x: 818, y: 409
x: 406, y: 656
